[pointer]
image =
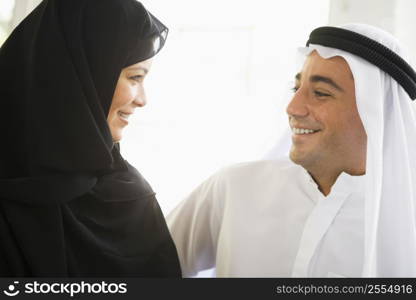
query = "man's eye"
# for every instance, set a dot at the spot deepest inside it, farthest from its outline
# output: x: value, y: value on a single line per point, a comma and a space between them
x: 295, y: 89
x: 320, y: 94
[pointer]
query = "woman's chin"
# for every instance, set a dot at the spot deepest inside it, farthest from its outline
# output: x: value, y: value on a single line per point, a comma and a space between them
x: 116, y: 136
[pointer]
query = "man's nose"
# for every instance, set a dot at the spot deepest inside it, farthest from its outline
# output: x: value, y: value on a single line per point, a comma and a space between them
x: 297, y: 106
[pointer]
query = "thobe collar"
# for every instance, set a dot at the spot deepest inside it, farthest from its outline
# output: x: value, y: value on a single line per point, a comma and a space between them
x: 343, y: 186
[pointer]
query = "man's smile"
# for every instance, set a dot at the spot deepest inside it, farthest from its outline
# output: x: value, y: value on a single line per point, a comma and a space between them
x: 296, y: 130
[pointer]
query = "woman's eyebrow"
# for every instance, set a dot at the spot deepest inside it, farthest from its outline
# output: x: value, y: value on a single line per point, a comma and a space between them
x: 139, y: 69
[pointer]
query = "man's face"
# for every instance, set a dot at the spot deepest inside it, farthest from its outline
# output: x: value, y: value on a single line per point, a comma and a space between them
x: 327, y: 131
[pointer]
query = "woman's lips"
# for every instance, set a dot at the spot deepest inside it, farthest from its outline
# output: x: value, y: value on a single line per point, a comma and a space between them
x: 124, y: 116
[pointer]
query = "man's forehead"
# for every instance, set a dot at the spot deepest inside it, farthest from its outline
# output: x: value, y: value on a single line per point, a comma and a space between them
x: 334, y: 67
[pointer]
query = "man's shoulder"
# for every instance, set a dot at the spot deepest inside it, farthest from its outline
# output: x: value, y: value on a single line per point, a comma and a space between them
x: 259, y: 169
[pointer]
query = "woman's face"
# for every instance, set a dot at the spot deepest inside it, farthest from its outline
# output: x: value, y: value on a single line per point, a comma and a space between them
x: 128, y: 95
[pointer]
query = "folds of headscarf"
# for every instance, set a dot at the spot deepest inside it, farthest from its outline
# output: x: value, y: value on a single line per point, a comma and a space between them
x: 69, y: 203
x: 389, y: 119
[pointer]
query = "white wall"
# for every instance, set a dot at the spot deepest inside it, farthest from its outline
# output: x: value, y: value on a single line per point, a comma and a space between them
x: 380, y: 13
x: 405, y: 23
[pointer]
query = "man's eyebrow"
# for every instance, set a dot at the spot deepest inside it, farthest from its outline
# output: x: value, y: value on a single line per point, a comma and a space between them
x: 139, y: 69
x: 327, y: 80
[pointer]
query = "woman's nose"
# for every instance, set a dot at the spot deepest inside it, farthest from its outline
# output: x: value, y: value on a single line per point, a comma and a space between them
x: 140, y: 102
x: 140, y: 99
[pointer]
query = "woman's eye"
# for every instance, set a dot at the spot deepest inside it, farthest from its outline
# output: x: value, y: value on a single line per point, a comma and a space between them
x: 137, y: 78
x: 320, y: 94
x: 295, y: 89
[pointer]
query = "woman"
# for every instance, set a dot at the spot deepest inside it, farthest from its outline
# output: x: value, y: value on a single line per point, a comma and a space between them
x: 70, y: 74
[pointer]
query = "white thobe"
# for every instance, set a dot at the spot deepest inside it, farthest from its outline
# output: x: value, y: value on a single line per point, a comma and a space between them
x: 268, y: 219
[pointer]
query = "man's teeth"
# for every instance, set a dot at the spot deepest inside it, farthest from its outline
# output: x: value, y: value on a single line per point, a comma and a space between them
x: 303, y: 131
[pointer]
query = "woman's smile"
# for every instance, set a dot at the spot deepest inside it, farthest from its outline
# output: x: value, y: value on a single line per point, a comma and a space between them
x: 124, y: 116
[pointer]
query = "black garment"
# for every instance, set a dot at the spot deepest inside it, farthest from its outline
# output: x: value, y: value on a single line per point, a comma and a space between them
x: 70, y: 205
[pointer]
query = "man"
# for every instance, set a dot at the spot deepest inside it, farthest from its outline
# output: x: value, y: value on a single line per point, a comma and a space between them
x: 344, y: 204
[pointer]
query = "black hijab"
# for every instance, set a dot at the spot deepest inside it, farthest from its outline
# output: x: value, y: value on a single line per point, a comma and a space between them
x: 70, y: 205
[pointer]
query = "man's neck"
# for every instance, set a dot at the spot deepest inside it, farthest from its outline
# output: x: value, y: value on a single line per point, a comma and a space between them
x: 325, y: 179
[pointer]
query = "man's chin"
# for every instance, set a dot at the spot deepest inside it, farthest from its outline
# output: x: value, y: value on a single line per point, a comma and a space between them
x: 293, y: 157
x: 298, y: 157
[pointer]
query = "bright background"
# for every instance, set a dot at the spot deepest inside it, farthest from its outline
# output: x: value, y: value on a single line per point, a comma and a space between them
x: 218, y: 90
